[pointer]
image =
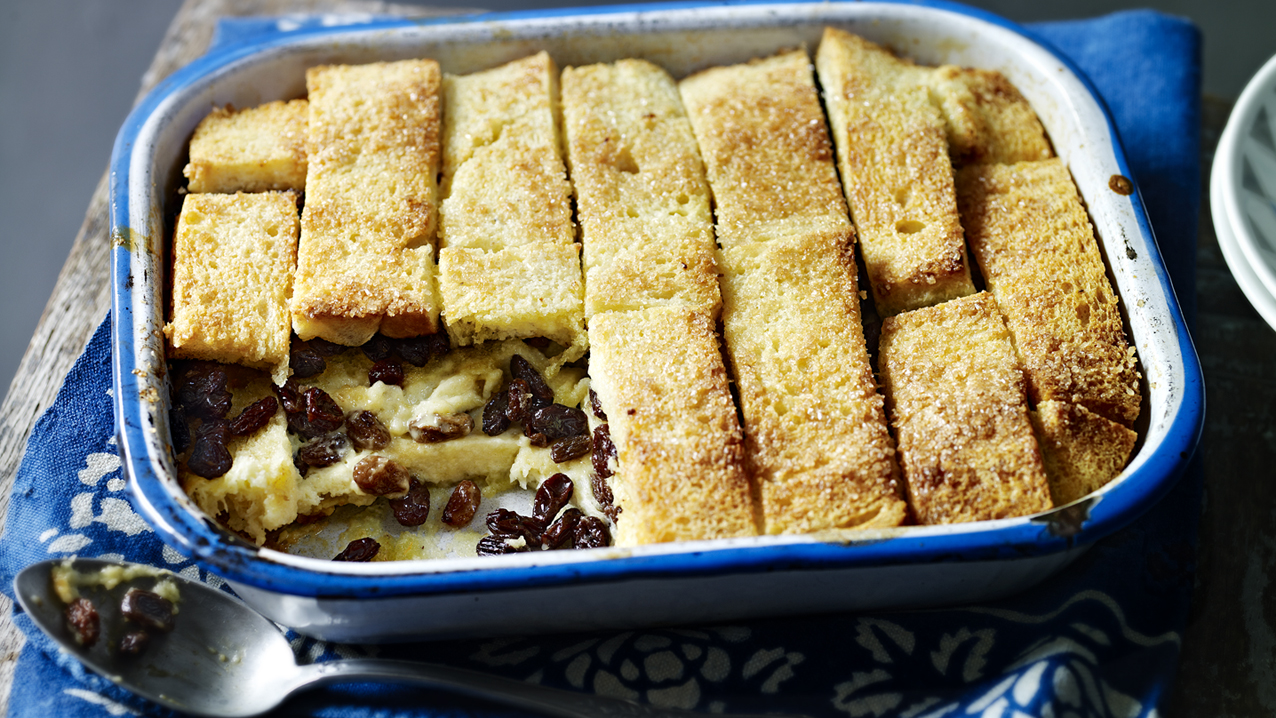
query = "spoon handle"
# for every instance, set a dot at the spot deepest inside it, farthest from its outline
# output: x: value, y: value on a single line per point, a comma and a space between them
x: 528, y: 696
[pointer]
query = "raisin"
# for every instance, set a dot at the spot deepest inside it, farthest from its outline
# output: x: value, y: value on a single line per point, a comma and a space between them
x: 433, y: 428
x: 555, y: 422
x: 132, y: 643
x: 387, y: 371
x: 463, y: 504
x: 494, y: 546
x: 366, y: 431
x: 304, y: 360
x: 414, y: 508
x: 573, y: 447
x: 323, y: 451
x: 325, y: 348
x: 209, y: 456
x: 82, y: 619
x: 178, y: 429
x: 561, y: 533
x: 290, y: 397
x: 359, y: 551
x: 254, y: 417
x: 148, y: 609
x: 418, y: 351
x: 518, y: 401
x: 380, y: 476
x: 322, y: 413
x: 604, y: 451
x: 378, y: 348
x: 604, y: 497
x: 520, y: 368
x: 202, y: 391
x: 504, y: 522
x: 554, y: 493
x: 591, y: 532
x: 495, y: 415
x: 596, y: 406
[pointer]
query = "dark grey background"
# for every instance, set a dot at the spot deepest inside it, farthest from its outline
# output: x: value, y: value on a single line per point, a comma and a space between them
x: 70, y: 69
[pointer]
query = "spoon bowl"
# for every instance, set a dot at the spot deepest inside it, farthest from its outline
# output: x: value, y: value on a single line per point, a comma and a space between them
x: 224, y: 659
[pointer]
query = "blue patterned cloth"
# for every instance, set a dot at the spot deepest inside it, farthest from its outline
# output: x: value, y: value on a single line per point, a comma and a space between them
x: 1102, y: 638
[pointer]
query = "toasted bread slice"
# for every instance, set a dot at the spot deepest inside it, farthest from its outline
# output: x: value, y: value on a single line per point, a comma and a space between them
x: 1082, y: 450
x: 659, y: 376
x: 507, y: 200
x: 642, y: 199
x: 531, y: 290
x: 893, y: 157
x: 766, y: 149
x: 988, y: 121
x: 816, y: 437
x: 233, y: 256
x: 254, y: 150
x: 366, y: 258
x: 960, y: 414
x: 1037, y: 251
x: 504, y: 182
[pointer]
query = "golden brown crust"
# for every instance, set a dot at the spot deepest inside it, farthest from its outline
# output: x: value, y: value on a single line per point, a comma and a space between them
x: 660, y: 378
x: 960, y: 413
x: 507, y: 199
x: 367, y: 236
x: 232, y: 274
x: 988, y: 121
x: 766, y: 149
x: 893, y: 157
x: 1082, y: 450
x: 816, y: 436
x: 255, y: 150
x: 531, y: 290
x: 641, y: 195
x: 1037, y: 251
x: 504, y: 182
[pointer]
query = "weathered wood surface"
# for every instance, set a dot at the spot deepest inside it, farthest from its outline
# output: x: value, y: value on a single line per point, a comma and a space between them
x: 81, y: 295
x: 1228, y: 666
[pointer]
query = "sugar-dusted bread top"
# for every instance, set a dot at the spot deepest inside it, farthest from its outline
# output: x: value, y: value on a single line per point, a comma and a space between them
x: 986, y: 118
x: 960, y: 413
x: 766, y: 149
x: 659, y: 376
x: 503, y: 181
x: 366, y: 258
x: 816, y: 439
x: 1082, y: 450
x: 232, y: 274
x: 253, y: 150
x: 894, y: 163
x: 1037, y: 251
x: 530, y: 290
x: 642, y: 199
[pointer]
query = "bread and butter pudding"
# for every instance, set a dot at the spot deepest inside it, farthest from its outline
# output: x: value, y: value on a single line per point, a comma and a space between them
x: 526, y: 309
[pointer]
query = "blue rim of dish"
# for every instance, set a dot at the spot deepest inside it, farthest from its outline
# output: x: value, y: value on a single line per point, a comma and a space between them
x: 238, y: 561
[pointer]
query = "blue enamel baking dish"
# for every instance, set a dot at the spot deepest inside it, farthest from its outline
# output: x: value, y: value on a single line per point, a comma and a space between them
x: 662, y: 584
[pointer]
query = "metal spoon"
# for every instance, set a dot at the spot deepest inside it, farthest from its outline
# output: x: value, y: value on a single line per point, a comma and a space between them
x: 224, y: 659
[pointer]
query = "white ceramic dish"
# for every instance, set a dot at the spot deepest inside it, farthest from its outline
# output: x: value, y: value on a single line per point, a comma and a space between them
x: 673, y: 583
x: 1243, y: 192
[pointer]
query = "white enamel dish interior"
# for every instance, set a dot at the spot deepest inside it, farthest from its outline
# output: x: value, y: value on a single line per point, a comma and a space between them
x: 663, y: 584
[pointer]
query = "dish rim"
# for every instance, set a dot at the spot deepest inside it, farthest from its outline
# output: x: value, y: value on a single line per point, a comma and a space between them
x: 194, y: 535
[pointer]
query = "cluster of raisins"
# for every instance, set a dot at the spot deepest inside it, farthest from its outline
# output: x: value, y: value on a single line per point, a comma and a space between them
x: 201, y: 392
x: 603, y: 458
x: 526, y: 399
x: 413, y: 509
x: 143, y: 610
x: 309, y: 358
x: 551, y: 526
